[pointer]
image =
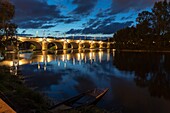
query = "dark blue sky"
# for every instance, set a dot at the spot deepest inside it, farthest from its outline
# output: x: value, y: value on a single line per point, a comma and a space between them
x: 87, y: 17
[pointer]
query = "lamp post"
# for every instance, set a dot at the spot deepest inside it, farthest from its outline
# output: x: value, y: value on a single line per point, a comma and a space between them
x: 73, y: 37
x: 36, y: 33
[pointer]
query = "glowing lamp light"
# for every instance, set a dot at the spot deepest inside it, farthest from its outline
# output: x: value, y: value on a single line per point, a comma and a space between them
x: 45, y: 68
x: 74, y: 61
x: 100, y: 42
x: 63, y: 58
x: 58, y: 63
x: 68, y: 40
x: 68, y: 57
x: 78, y: 41
x: 39, y: 66
x: 62, y: 40
x: 40, y: 39
x: 78, y: 56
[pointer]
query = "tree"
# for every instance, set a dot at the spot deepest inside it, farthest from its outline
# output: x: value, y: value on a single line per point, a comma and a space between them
x: 161, y: 17
x: 7, y: 28
x: 152, y: 30
x: 145, y: 23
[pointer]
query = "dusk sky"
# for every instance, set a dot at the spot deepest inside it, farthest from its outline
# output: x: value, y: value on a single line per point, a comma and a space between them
x: 85, y: 17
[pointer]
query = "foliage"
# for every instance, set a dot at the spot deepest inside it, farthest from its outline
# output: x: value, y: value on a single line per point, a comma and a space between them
x: 33, y: 47
x: 151, y: 32
x: 22, y: 99
x: 7, y: 28
x: 53, y: 48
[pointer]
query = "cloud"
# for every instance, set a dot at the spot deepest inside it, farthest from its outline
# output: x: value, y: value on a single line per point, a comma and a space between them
x: 56, y: 31
x: 23, y: 34
x: 31, y: 24
x: 24, y: 31
x: 74, y: 31
x: 84, y: 7
x: 69, y: 20
x: 119, y: 6
x: 127, y: 17
x: 36, y: 12
x: 102, y: 28
x: 47, y: 26
x: 101, y: 14
x: 97, y: 22
x: 90, y: 22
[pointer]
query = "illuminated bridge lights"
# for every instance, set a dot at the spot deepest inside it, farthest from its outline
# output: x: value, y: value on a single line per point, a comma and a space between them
x: 43, y: 42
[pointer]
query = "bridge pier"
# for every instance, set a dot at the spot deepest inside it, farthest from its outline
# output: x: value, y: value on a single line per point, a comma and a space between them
x: 44, y: 45
x: 65, y: 45
x: 80, y: 46
x: 108, y: 45
x: 101, y: 45
x: 92, y: 45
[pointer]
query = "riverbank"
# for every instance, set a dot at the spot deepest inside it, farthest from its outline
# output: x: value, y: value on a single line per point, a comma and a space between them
x: 141, y: 50
x: 18, y: 96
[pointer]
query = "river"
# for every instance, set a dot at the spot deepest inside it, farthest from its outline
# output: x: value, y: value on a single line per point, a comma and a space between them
x: 138, y: 82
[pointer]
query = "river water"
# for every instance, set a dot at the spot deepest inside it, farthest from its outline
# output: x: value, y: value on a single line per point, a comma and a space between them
x: 138, y: 82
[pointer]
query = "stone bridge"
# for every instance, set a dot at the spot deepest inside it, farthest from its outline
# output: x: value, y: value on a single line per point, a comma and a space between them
x: 64, y: 44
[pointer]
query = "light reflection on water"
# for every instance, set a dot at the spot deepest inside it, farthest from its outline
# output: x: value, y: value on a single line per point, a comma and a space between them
x: 137, y: 82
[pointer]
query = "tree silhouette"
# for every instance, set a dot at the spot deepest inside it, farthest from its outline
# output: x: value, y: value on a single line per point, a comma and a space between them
x: 7, y: 28
x: 144, y: 25
x: 151, y: 32
x: 151, y: 70
x: 161, y: 17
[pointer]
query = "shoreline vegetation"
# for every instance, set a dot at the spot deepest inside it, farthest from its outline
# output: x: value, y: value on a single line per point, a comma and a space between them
x: 142, y: 50
x: 151, y: 32
x: 17, y: 95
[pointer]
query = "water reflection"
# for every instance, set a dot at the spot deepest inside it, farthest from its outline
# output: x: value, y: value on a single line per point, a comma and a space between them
x: 151, y: 70
x: 138, y: 82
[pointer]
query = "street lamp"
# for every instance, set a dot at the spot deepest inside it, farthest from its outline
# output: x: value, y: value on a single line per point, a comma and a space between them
x: 36, y: 33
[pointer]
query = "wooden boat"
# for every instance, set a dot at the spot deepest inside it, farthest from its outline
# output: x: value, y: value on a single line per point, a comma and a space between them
x: 91, y: 97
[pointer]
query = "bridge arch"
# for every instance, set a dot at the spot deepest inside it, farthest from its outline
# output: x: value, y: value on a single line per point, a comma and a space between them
x: 27, y: 45
x: 95, y: 45
x: 104, y: 45
x: 74, y: 45
x: 85, y: 45
x: 56, y: 45
x: 69, y: 45
x: 51, y: 46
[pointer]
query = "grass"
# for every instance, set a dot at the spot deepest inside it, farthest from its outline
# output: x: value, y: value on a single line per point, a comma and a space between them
x: 21, y: 98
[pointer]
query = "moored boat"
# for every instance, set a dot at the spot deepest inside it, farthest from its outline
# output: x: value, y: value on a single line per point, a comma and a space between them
x: 90, y: 97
